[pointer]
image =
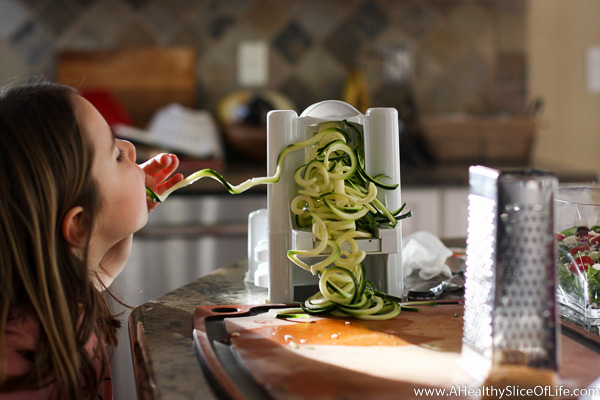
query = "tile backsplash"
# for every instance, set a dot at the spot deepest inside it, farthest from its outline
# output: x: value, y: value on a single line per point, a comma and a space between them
x: 465, y: 55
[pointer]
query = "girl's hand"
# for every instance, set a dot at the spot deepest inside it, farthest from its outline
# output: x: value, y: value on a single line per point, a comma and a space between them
x: 158, y: 169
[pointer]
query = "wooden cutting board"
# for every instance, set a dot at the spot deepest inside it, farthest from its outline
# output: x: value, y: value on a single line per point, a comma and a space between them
x: 249, y: 353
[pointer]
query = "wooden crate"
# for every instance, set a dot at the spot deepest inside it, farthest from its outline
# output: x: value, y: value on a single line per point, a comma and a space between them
x: 142, y: 79
x: 480, y: 139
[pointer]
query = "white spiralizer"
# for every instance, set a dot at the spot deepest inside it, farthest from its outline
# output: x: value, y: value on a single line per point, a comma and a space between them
x: 382, y: 156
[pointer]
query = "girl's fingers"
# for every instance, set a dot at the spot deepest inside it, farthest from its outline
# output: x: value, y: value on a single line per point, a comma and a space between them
x: 154, y: 165
x: 160, y: 163
x: 159, y: 168
x: 171, y: 165
x: 172, y: 181
x: 162, y: 187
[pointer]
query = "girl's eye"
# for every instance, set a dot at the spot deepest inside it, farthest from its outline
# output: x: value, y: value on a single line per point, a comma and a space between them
x: 121, y: 155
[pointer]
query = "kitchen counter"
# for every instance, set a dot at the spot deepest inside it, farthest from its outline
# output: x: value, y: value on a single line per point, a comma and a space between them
x: 164, y: 361
x: 161, y: 329
x: 161, y: 333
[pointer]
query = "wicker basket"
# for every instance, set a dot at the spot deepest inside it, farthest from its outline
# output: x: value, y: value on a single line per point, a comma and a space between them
x: 480, y: 139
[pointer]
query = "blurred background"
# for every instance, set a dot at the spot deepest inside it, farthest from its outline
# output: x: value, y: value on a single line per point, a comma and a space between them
x: 435, y: 56
x: 498, y: 82
x: 465, y: 55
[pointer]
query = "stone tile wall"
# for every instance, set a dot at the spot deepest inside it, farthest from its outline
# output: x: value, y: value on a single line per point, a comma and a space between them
x: 466, y: 55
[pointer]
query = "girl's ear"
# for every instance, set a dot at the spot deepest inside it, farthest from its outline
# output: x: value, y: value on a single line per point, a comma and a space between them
x: 73, y: 227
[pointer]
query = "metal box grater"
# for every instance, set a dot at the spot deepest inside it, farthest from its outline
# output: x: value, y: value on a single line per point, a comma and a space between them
x: 510, y: 301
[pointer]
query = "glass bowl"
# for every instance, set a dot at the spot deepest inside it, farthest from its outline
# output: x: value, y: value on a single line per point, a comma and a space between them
x: 577, y: 227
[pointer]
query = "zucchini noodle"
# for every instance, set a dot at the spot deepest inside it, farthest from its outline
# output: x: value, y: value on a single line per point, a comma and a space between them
x: 339, y: 200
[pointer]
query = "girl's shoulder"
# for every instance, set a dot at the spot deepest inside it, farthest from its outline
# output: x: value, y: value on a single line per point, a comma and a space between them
x: 21, y: 336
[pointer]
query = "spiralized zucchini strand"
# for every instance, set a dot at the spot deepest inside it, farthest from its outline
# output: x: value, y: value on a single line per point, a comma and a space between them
x: 338, y: 199
x: 242, y: 187
x: 341, y: 200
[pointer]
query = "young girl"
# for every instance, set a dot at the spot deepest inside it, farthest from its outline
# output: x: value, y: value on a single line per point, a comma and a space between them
x: 72, y: 197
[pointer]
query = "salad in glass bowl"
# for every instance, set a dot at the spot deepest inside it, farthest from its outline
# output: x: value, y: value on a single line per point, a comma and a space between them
x: 577, y: 227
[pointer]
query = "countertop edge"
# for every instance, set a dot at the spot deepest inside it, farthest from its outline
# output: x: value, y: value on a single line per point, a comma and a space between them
x: 223, y: 286
x: 141, y: 358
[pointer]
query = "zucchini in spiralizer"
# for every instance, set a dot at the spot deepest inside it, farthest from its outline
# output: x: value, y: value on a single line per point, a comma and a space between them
x: 337, y: 199
x: 340, y: 199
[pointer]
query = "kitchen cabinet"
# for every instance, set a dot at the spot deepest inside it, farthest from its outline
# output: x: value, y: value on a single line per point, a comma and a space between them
x: 425, y: 206
x: 455, y: 211
x: 440, y: 210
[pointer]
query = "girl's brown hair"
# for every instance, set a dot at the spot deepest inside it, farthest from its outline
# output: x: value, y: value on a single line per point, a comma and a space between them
x: 45, y: 170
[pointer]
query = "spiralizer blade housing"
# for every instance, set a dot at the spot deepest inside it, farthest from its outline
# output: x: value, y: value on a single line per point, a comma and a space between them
x: 382, y: 156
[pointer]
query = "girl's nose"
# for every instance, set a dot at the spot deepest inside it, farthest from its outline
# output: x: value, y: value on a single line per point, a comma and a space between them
x: 130, y: 150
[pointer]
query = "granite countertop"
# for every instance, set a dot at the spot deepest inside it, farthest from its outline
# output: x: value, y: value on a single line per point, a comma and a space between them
x: 161, y: 333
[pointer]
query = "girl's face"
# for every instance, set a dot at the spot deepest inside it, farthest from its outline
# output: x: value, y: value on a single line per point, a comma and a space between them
x: 121, y: 181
